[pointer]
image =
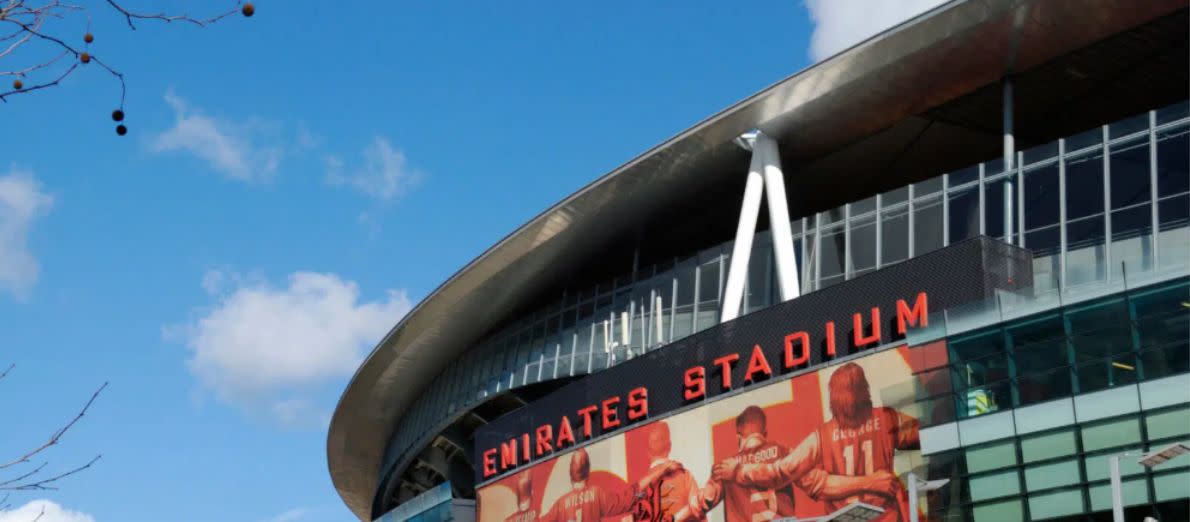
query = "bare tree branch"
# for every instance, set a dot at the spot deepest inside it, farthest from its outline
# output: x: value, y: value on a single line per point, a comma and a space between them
x: 57, y: 434
x: 26, y: 23
x: 41, y: 485
x: 129, y: 16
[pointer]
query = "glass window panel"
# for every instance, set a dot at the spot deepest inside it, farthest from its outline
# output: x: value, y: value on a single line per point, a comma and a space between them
x: 998, y: 511
x: 993, y: 167
x: 1173, y: 161
x: 1172, y: 423
x: 1041, y: 330
x: 1085, y: 139
x: 895, y: 196
x: 1100, y: 329
x: 976, y: 346
x: 1171, y: 359
x: 1048, y: 446
x: 1131, y: 250
x: 1130, y: 125
x: 708, y: 282
x: 894, y: 240
x: 759, y: 283
x: 683, y: 322
x: 1171, y: 486
x: 1098, y: 467
x: 1161, y: 315
x: 1046, y: 246
x: 994, y: 486
x: 927, y: 225
x: 1130, y: 174
x: 1052, y: 475
x: 1041, y: 153
x: 1173, y: 238
x: 927, y: 187
x: 982, y: 399
x: 1173, y: 112
x: 1056, y: 504
x: 964, y: 215
x: 832, y: 253
x: 1173, y: 212
x: 863, y: 206
x: 685, y: 284
x: 1106, y: 373
x: 993, y: 208
x: 1111, y: 434
x: 994, y: 456
x: 1084, y: 185
x: 1041, y: 196
x: 834, y: 215
x: 1085, y: 251
x: 1040, y: 387
x: 863, y: 244
x: 1133, y: 492
x: 963, y: 176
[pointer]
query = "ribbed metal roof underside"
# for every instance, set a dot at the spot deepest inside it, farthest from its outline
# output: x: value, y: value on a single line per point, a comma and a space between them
x: 920, y: 99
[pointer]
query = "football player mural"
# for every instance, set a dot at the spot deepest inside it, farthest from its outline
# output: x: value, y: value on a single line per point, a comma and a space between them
x: 801, y: 447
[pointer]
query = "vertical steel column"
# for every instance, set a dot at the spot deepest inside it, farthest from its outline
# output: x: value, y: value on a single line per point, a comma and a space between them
x: 1117, y: 496
x: 1062, y: 239
x: 879, y: 231
x: 1020, y: 200
x: 1107, y: 239
x: 945, y: 209
x: 1153, y: 187
x: 1009, y: 156
x: 983, y: 225
x: 774, y: 181
x: 745, y: 231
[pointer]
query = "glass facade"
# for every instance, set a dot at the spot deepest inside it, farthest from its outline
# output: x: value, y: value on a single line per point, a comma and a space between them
x: 1096, y: 209
x: 1024, y: 414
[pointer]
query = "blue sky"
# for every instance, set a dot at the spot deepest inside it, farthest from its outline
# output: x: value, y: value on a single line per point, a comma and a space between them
x: 291, y: 184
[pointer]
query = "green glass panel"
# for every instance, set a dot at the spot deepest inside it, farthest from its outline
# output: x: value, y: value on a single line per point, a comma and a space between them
x: 991, y: 457
x: 1049, y: 505
x: 1134, y: 492
x: 994, y: 486
x: 1048, y: 446
x: 1098, y: 466
x: 1007, y: 511
x: 1052, y: 475
x: 1111, y: 434
x: 1172, y: 423
x: 1172, y: 486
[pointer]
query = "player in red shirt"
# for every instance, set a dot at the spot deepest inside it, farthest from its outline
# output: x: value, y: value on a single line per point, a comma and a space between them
x: 524, y: 496
x: 855, y: 448
x: 666, y: 496
x: 590, y: 503
x: 745, y: 502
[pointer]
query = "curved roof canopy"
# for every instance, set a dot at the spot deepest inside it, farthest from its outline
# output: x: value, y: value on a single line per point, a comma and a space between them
x: 905, y: 105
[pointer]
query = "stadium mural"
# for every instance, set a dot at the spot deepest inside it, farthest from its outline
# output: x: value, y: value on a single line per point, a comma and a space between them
x: 804, y: 446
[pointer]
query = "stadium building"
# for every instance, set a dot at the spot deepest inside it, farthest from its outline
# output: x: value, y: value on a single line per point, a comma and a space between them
x: 942, y: 275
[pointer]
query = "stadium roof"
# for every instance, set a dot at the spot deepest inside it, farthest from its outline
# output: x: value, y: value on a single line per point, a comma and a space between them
x: 912, y: 102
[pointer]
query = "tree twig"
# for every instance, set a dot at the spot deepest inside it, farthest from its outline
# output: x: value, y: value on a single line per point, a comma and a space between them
x: 129, y: 16
x: 57, y: 434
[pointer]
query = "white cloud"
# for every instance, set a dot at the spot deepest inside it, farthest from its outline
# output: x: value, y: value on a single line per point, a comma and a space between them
x: 240, y: 151
x: 267, y: 348
x: 291, y: 515
x: 839, y: 24
x: 383, y: 175
x: 21, y: 202
x: 52, y: 513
